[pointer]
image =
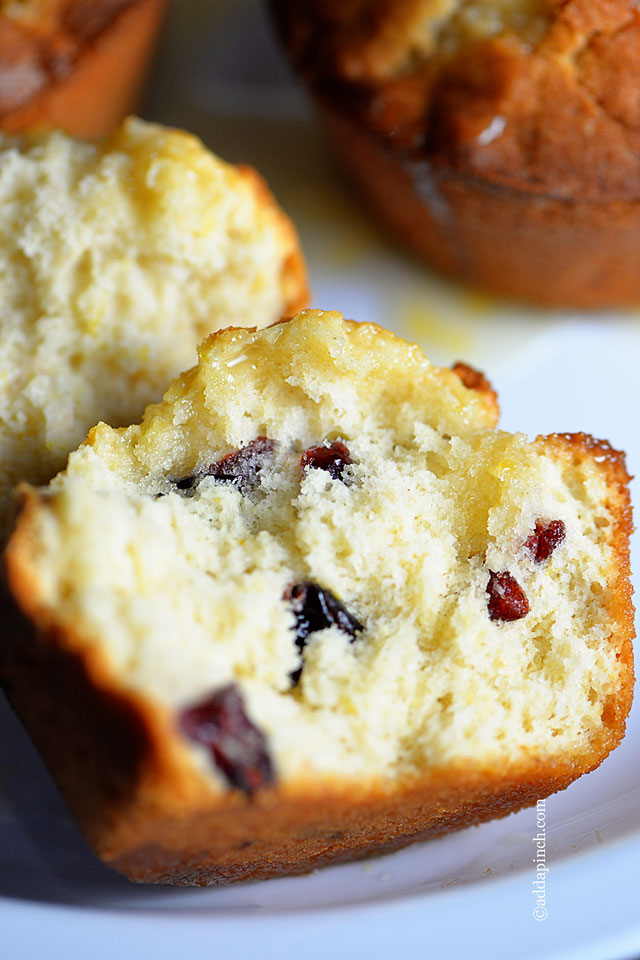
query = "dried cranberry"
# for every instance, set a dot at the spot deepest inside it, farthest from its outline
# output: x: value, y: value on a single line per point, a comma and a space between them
x: 332, y: 457
x: 315, y: 609
x: 544, y: 540
x: 189, y: 482
x: 507, y: 599
x: 238, y: 748
x: 243, y: 466
x: 240, y: 467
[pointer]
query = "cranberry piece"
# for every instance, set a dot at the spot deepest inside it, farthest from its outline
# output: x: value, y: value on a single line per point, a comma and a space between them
x: 243, y: 466
x: 507, y: 599
x: 315, y: 609
x: 240, y: 467
x: 544, y: 540
x: 238, y: 748
x: 332, y: 457
x: 189, y: 482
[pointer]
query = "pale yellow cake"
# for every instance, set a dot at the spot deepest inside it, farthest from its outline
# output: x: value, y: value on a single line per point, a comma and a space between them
x: 115, y: 261
x: 315, y: 605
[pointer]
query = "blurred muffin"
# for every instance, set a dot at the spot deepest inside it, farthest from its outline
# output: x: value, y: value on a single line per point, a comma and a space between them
x: 76, y: 65
x: 115, y: 261
x: 499, y: 140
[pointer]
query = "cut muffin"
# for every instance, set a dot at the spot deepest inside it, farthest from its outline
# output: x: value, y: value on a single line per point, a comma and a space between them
x: 316, y: 606
x: 73, y: 65
x: 115, y: 261
x: 499, y: 140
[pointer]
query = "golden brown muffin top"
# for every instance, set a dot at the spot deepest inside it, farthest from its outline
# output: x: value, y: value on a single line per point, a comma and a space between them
x: 537, y: 95
x: 41, y: 39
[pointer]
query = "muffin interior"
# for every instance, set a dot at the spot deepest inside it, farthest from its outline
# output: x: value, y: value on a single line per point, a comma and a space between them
x: 296, y: 460
x: 115, y: 261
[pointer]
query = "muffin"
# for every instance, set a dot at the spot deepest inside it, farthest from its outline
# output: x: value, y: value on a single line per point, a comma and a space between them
x: 74, y: 65
x: 115, y: 261
x: 316, y: 606
x: 499, y: 140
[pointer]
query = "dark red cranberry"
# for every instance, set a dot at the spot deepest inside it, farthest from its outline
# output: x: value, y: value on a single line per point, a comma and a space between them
x: 545, y: 538
x: 240, y: 467
x: 332, y: 457
x: 507, y: 599
x: 243, y: 466
x: 189, y: 482
x: 238, y: 748
x: 315, y: 609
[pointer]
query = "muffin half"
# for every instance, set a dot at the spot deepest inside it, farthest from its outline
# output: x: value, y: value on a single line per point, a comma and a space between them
x: 315, y: 606
x: 115, y: 261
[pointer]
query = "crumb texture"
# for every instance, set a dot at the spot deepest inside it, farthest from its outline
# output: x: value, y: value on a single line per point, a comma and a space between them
x: 115, y: 260
x: 190, y: 549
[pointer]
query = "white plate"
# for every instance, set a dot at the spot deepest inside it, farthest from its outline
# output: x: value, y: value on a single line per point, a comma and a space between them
x: 470, y: 894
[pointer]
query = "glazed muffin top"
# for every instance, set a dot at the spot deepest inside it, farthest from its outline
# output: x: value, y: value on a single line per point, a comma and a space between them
x: 535, y: 95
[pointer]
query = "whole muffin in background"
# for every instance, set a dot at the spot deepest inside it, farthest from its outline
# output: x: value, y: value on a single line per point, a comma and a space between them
x: 74, y: 65
x: 500, y: 140
x: 115, y: 261
x: 316, y: 606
